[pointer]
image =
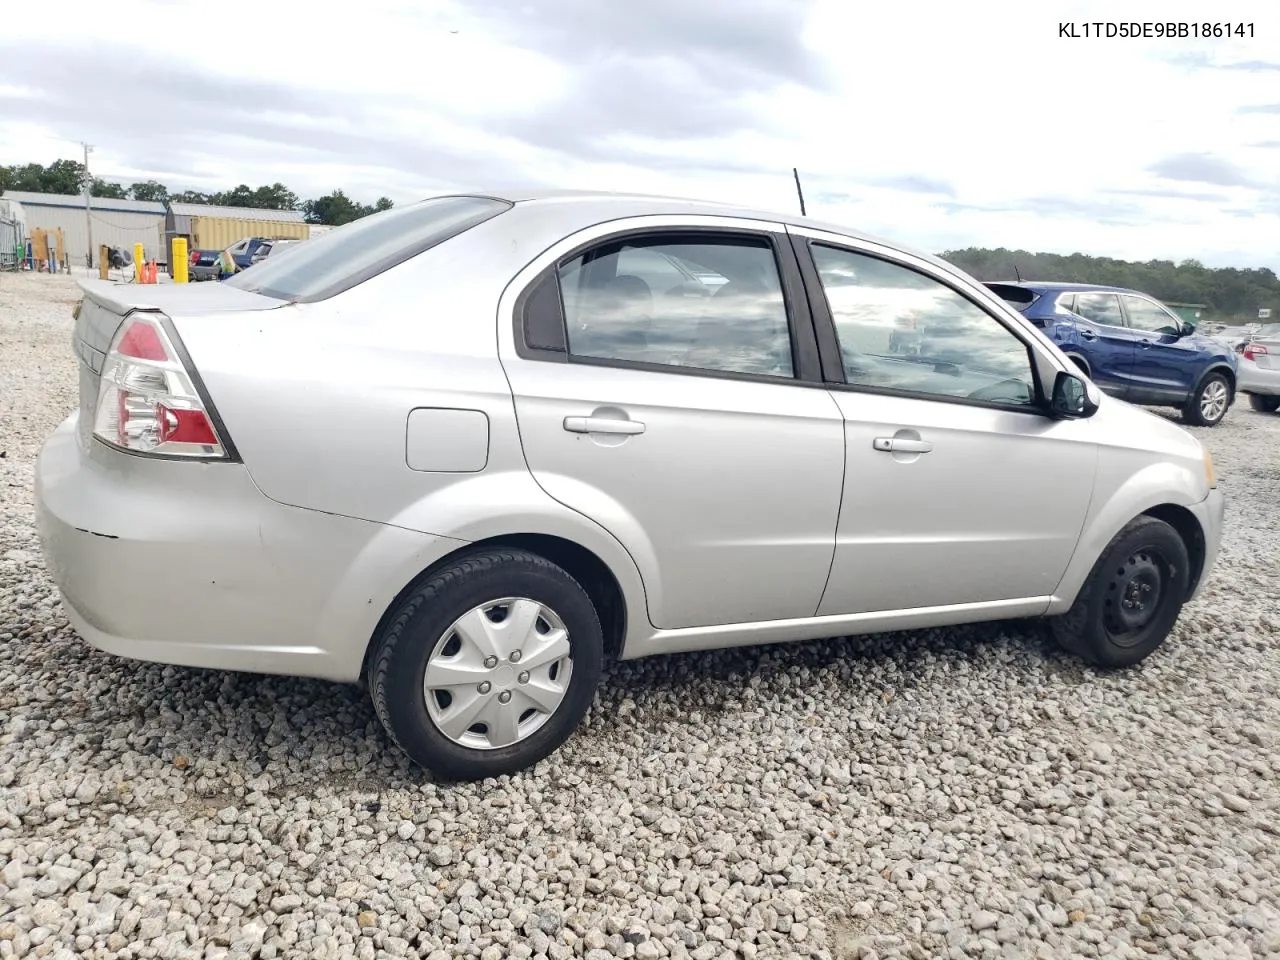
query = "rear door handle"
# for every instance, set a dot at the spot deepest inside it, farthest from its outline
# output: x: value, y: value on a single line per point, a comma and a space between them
x: 602, y: 425
x: 900, y: 445
x: 1088, y: 335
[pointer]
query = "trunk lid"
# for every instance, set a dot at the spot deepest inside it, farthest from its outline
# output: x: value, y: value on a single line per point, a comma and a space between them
x: 105, y: 305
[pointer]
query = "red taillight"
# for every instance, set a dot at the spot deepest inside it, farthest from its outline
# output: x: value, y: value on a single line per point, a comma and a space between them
x: 1252, y: 351
x: 142, y: 342
x: 195, y: 256
x: 147, y: 401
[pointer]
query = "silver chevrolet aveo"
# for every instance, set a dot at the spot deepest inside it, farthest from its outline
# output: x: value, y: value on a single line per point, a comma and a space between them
x: 465, y: 449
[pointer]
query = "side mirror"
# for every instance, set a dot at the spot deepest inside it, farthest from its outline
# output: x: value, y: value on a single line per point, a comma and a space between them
x: 1073, y: 398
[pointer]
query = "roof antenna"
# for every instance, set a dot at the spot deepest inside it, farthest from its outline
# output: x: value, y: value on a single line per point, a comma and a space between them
x: 799, y: 193
x: 1016, y: 273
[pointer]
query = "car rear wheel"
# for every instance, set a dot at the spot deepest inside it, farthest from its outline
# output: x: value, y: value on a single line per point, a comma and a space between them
x: 1264, y: 404
x: 1132, y: 597
x: 488, y: 666
x: 1208, y: 404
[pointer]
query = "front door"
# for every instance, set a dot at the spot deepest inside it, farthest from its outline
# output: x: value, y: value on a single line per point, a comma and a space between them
x: 958, y: 489
x: 664, y: 398
x: 1164, y: 363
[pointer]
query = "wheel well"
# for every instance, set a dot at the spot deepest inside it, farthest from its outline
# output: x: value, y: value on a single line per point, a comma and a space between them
x: 592, y: 573
x: 1227, y: 375
x: 1188, y: 527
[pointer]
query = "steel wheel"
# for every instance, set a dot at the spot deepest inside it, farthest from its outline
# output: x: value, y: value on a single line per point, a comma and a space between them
x: 1213, y: 401
x: 1134, y: 596
x: 498, y: 674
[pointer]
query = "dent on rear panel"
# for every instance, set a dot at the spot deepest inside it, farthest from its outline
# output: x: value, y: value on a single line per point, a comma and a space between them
x: 445, y: 440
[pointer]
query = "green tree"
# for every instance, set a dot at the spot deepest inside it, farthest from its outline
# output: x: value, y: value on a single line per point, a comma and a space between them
x: 337, y: 208
x: 150, y: 190
x: 103, y: 188
x: 61, y: 176
x: 274, y: 197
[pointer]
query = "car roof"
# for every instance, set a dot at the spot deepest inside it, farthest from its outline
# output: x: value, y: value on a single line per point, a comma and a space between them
x: 1049, y: 286
x: 599, y: 206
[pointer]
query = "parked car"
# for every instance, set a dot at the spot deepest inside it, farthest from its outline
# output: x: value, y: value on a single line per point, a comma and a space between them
x: 1260, y: 368
x: 450, y: 449
x: 242, y: 251
x: 1132, y: 346
x: 204, y: 265
x: 266, y: 249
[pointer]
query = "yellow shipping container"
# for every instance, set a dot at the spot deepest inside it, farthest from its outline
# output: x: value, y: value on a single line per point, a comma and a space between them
x: 218, y: 233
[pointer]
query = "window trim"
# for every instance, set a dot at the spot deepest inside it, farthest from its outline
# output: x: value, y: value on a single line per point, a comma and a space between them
x: 800, y: 322
x: 829, y: 342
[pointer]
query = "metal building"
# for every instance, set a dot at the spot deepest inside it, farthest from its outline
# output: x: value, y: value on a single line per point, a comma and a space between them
x: 209, y: 227
x: 117, y: 223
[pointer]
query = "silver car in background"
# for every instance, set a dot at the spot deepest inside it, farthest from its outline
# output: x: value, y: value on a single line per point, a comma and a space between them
x: 1259, y: 375
x: 465, y: 449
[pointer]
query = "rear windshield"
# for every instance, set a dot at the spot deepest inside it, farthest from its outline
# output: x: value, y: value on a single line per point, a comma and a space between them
x: 345, y: 256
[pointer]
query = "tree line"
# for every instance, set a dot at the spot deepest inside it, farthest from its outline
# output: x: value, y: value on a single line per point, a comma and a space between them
x: 1229, y: 293
x: 68, y: 177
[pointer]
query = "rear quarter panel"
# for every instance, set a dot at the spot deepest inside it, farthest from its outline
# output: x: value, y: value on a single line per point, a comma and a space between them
x: 317, y: 399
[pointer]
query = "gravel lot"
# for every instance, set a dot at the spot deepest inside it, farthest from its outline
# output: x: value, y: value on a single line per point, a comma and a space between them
x: 966, y: 792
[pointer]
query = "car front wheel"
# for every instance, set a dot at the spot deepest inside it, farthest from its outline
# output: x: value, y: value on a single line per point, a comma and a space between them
x: 1132, y: 598
x: 1208, y: 403
x: 488, y: 666
x: 1264, y: 404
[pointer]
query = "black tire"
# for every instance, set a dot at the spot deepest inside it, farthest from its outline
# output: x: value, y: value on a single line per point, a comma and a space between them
x: 397, y: 668
x: 1264, y: 404
x: 1193, y: 412
x: 1147, y: 551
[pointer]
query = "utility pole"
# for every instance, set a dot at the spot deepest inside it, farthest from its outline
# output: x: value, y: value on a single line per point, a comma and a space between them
x: 88, y: 214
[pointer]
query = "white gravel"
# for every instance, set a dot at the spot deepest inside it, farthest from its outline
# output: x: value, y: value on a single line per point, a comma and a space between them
x: 964, y: 793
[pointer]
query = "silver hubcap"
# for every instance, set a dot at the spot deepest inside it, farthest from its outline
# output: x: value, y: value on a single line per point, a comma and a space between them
x: 1213, y: 402
x: 476, y: 695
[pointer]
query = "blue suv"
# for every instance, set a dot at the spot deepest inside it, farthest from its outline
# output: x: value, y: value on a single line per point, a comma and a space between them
x: 1131, y: 346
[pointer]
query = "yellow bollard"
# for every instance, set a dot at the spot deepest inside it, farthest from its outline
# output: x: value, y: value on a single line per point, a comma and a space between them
x: 180, y: 261
x: 104, y: 262
x: 137, y: 263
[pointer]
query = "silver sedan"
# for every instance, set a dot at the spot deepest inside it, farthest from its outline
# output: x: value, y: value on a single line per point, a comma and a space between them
x: 1259, y: 375
x: 466, y: 449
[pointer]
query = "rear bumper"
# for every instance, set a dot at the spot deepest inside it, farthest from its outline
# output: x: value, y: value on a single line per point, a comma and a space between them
x: 1209, y: 513
x: 1251, y: 378
x: 190, y: 564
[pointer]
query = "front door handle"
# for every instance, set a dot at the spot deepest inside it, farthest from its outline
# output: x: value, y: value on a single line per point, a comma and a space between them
x: 602, y: 425
x: 901, y: 445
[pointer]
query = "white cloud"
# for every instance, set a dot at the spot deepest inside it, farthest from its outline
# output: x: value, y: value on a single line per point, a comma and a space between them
x: 938, y: 125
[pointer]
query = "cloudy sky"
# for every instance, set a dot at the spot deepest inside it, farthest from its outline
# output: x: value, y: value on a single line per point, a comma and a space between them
x: 938, y: 124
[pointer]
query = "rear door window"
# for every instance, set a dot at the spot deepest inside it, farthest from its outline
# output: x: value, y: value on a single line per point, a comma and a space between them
x: 1103, y: 308
x: 709, y: 302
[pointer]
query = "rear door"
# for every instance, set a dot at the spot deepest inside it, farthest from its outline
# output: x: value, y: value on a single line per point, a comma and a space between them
x: 1105, y: 341
x: 687, y: 418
